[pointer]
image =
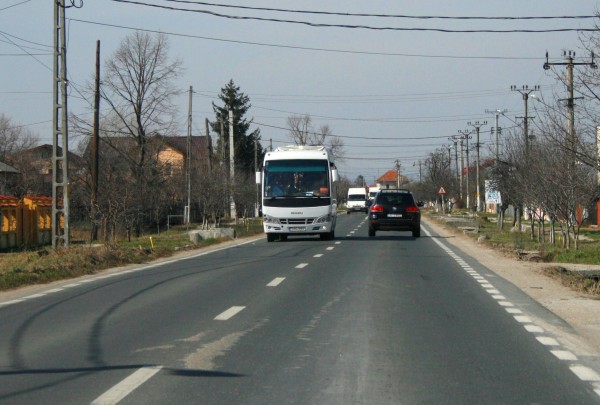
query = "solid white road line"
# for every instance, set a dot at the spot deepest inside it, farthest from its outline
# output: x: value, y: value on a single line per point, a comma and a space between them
x: 126, y: 387
x: 276, y: 281
x: 231, y: 312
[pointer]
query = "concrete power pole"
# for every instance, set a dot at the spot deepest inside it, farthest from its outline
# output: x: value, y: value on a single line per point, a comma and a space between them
x: 60, y: 139
x: 572, y: 139
x: 454, y: 140
x: 497, y: 113
x: 95, y: 146
x: 188, y: 162
x: 525, y: 92
x: 477, y: 125
x: 466, y: 135
x: 231, y: 167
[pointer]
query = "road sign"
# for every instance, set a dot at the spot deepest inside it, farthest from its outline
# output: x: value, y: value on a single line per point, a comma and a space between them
x: 442, y: 191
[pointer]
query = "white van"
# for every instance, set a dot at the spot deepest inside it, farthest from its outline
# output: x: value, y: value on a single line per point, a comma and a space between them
x: 357, y: 200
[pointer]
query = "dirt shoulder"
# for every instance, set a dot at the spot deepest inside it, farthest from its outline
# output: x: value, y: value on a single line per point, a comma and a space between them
x: 580, y: 311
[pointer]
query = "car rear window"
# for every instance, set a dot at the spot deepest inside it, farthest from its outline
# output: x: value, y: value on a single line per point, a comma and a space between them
x: 395, y: 199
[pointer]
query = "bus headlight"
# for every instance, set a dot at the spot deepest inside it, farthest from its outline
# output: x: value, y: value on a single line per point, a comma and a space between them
x: 323, y: 219
x: 271, y: 220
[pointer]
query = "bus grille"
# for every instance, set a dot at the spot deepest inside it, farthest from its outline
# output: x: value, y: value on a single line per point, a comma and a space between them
x: 297, y: 221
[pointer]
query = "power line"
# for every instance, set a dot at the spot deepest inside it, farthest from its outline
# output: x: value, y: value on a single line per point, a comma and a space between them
x: 367, y: 27
x: 303, y: 48
x: 380, y: 15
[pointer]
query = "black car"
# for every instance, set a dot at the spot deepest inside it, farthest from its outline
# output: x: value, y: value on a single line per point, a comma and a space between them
x: 395, y: 210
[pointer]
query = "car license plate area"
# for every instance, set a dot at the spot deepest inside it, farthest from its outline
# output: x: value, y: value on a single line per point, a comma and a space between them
x: 394, y: 215
x: 297, y: 228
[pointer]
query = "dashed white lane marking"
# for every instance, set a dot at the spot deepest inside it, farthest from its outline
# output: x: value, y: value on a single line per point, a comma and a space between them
x: 301, y: 265
x: 126, y: 387
x: 330, y: 247
x: 276, y: 281
x: 523, y: 319
x: 534, y: 329
x: 564, y: 355
x: 585, y: 373
x: 318, y: 255
x: 514, y: 311
x: 230, y: 313
x: 338, y: 243
x: 547, y: 341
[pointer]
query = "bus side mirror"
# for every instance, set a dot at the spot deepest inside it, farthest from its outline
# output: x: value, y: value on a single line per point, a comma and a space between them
x: 258, y: 178
x: 334, y: 175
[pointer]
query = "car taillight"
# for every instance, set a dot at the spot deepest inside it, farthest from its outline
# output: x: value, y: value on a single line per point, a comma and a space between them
x: 412, y: 208
x: 377, y: 208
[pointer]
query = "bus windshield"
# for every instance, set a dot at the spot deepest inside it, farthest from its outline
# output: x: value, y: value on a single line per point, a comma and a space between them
x: 296, y: 178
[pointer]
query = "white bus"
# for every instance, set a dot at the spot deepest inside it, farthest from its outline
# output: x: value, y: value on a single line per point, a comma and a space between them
x: 298, y: 192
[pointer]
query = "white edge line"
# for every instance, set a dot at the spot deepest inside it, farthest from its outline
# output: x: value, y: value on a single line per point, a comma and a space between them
x: 126, y: 387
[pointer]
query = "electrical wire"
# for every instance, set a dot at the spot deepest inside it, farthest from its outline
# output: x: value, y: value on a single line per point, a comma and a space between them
x: 379, y: 15
x: 303, y: 48
x: 367, y: 27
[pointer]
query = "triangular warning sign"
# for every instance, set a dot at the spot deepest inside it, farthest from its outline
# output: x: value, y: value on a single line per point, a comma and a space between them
x: 442, y: 190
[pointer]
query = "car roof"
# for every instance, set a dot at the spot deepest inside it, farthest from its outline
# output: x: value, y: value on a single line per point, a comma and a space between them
x: 394, y: 190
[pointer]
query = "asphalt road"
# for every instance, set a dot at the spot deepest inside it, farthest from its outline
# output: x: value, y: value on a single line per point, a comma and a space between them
x: 356, y: 320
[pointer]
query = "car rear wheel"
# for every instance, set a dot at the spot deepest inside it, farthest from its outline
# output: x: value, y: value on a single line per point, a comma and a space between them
x: 416, y: 232
x: 371, y: 232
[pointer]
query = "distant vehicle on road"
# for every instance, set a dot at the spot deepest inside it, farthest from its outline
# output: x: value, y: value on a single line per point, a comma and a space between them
x: 394, y: 210
x: 357, y: 200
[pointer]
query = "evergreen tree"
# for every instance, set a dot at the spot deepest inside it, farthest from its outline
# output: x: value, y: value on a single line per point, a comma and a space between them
x: 239, y: 103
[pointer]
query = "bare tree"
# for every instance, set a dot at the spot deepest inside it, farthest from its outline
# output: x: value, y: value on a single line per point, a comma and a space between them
x: 138, y: 87
x: 302, y: 132
x: 14, y: 139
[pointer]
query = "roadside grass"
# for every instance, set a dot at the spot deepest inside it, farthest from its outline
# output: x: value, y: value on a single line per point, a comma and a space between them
x: 46, y: 265
x: 483, y: 228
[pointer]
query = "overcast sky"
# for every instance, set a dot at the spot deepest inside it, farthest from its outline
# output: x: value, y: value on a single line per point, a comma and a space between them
x: 391, y: 95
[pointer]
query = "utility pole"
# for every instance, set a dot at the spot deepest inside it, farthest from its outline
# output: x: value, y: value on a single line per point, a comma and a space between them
x: 209, y: 151
x: 95, y: 146
x: 497, y: 130
x: 525, y: 91
x: 188, y: 161
x: 232, y: 167
x: 477, y: 125
x: 398, y: 173
x: 60, y: 138
x: 572, y: 139
x: 454, y: 140
x: 466, y: 135
x: 256, y: 205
